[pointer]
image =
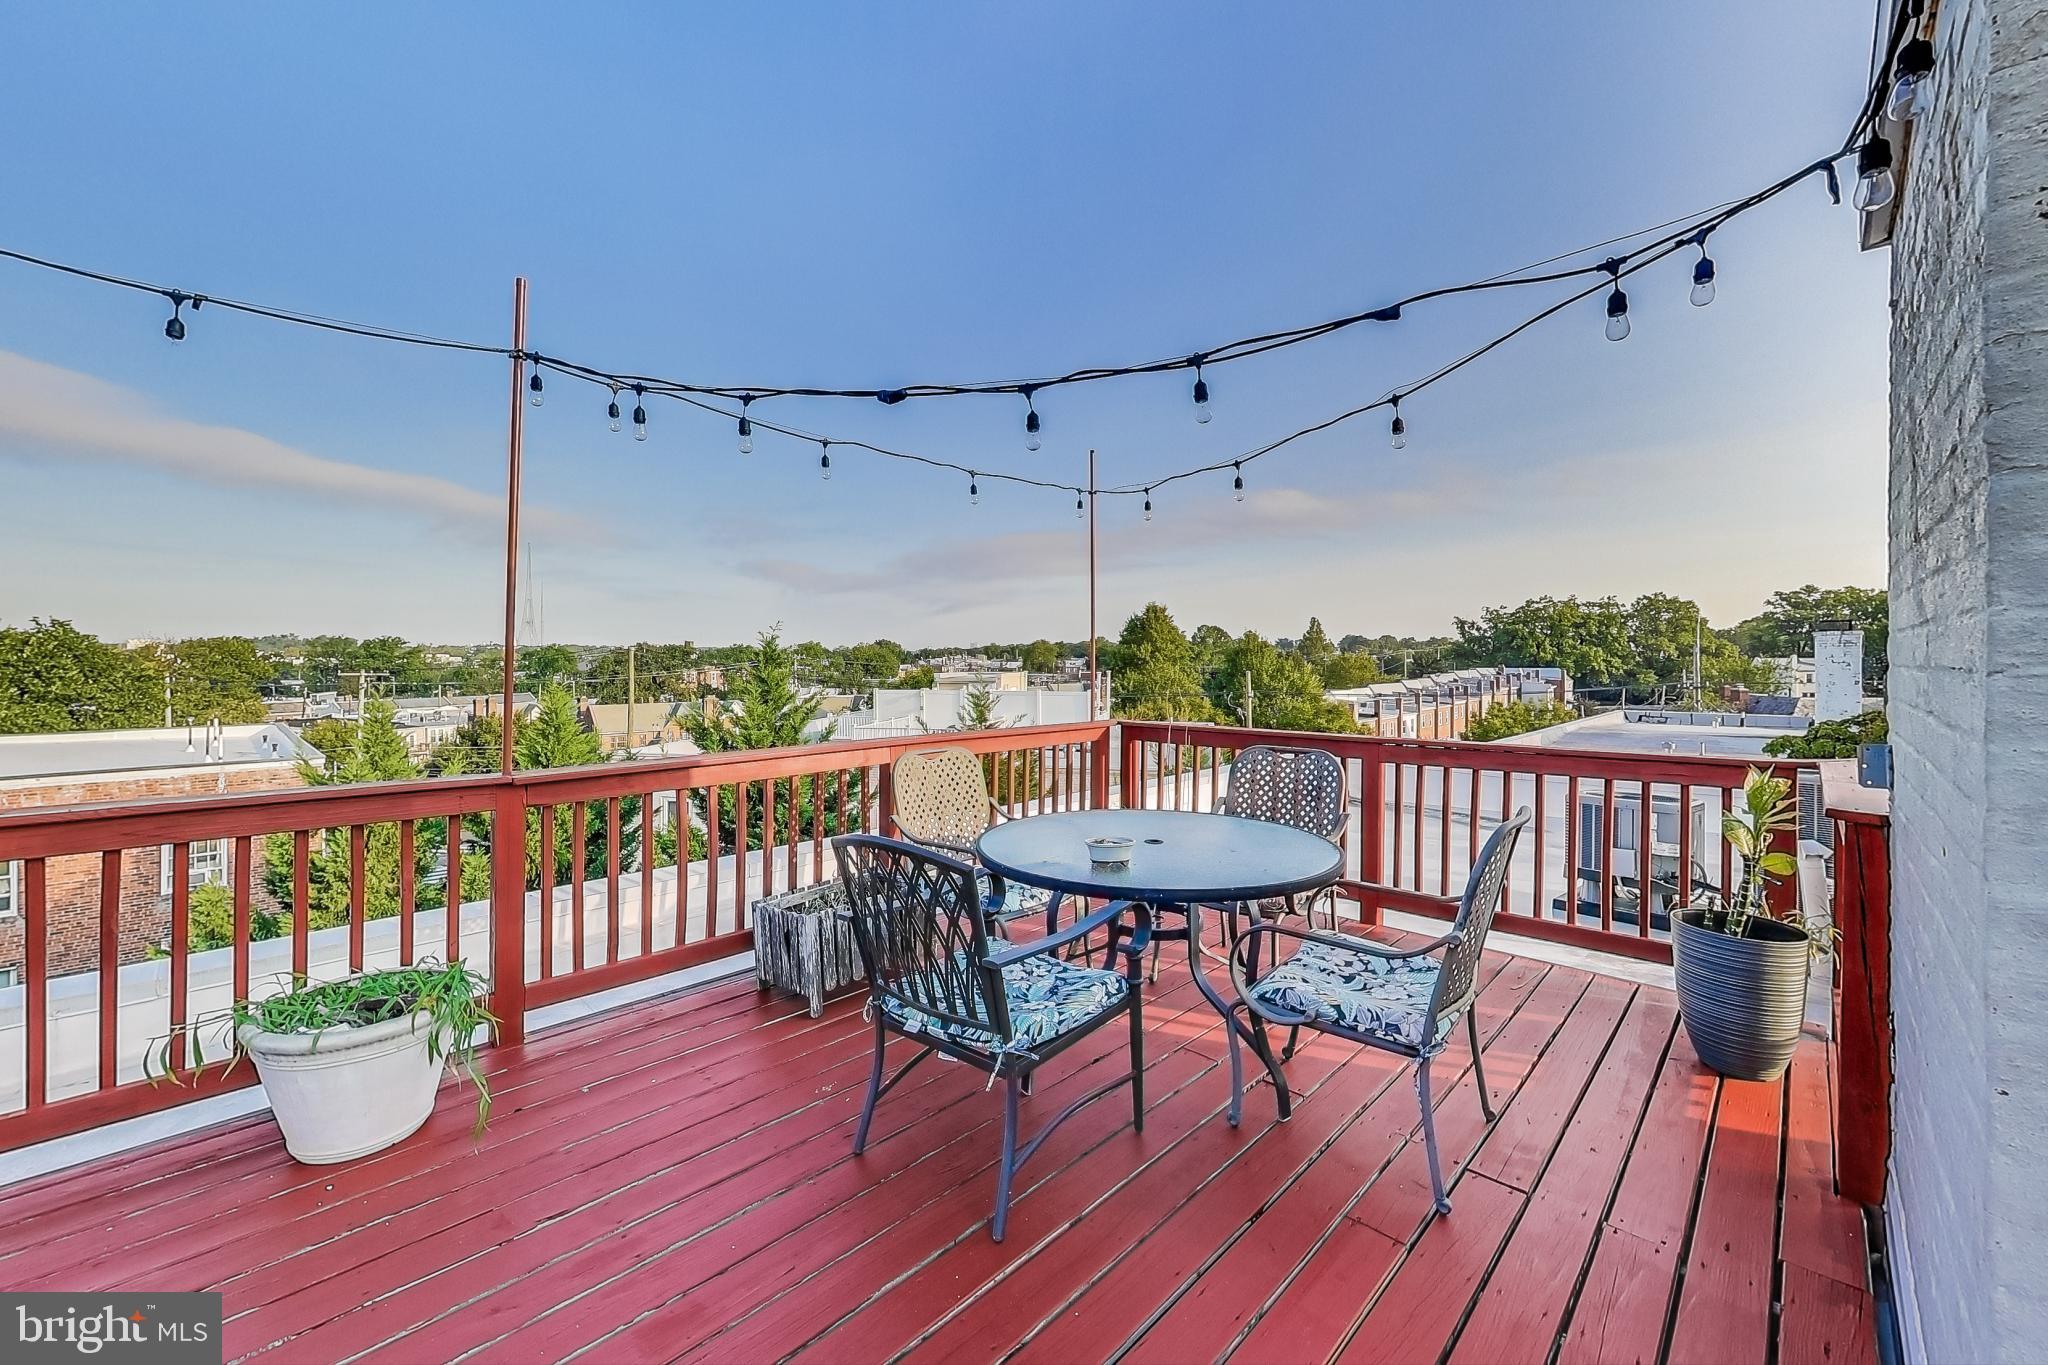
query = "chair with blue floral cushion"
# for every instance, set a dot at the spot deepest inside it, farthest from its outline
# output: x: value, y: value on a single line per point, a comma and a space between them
x: 936, y: 978
x: 1401, y: 1000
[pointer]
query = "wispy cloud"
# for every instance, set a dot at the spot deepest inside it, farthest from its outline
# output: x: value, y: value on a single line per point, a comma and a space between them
x: 48, y: 408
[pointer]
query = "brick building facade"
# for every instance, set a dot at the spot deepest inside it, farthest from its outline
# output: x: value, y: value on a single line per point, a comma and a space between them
x: 237, y: 759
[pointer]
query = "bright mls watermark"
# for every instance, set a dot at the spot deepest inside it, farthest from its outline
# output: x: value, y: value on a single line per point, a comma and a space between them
x: 165, y: 1329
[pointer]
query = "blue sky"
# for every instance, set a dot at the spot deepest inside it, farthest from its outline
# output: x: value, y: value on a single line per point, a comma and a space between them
x: 854, y: 195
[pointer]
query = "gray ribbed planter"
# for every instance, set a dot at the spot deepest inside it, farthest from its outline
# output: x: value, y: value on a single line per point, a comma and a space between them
x: 1743, y: 999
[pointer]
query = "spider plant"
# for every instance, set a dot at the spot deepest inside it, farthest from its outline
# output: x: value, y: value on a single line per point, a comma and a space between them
x: 450, y: 994
x: 1766, y: 811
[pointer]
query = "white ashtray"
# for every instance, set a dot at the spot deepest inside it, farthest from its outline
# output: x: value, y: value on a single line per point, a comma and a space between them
x: 1110, y: 849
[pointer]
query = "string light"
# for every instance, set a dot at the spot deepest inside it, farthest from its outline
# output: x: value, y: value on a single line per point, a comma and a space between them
x: 612, y: 408
x: 1148, y: 504
x: 639, y: 413
x: 1911, y: 89
x: 1080, y: 505
x: 1031, y: 441
x: 534, y: 388
x: 746, y: 428
x: 1874, y: 183
x: 825, y: 460
x: 1237, y: 482
x: 1703, y: 276
x: 973, y: 489
x: 174, y: 326
x: 1617, y: 305
x: 1397, y: 430
x: 1201, y: 393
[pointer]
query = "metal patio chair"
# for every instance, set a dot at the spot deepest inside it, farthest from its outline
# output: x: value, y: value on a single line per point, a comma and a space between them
x: 1401, y: 1000
x: 935, y: 977
x: 940, y: 799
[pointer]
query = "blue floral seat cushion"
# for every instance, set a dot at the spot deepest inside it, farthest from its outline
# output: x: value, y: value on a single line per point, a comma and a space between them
x: 1047, y: 998
x: 1018, y: 899
x: 1363, y: 992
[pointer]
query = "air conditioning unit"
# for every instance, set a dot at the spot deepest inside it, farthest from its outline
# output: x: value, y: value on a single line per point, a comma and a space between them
x: 1610, y: 826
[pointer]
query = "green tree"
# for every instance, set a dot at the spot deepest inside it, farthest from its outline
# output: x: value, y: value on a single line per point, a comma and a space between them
x: 1286, y: 694
x: 54, y: 677
x: 1210, y: 644
x: 214, y: 677
x: 375, y: 752
x: 1518, y: 718
x: 210, y: 919
x: 978, y: 709
x: 916, y: 678
x: 765, y: 708
x: 1833, y: 738
x: 1314, y: 647
x: 1352, y: 670
x: 1041, y: 656
x: 649, y: 672
x: 1154, y: 664
x: 555, y: 738
x: 1785, y: 627
x: 1588, y: 640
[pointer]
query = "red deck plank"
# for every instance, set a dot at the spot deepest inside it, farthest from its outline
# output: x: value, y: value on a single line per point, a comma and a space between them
x: 1825, y: 1322
x: 1823, y: 1231
x: 1724, y: 1304
x: 1518, y: 1317
x: 1416, y: 1314
x: 1624, y: 1302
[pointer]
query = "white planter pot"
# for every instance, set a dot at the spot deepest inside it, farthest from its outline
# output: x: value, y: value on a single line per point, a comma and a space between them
x: 347, y: 1092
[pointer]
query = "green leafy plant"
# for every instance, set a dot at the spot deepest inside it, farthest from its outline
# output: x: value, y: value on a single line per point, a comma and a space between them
x: 449, y: 994
x: 1767, y: 810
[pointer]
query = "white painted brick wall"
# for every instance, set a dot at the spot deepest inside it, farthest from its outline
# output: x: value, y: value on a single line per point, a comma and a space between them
x: 1969, y: 691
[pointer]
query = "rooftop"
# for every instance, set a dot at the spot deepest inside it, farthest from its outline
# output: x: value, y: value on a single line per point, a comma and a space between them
x: 1712, y: 734
x: 88, y: 752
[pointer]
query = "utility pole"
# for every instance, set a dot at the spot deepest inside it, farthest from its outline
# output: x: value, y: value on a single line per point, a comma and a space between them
x: 1699, y: 677
x: 167, y: 698
x: 1248, y: 699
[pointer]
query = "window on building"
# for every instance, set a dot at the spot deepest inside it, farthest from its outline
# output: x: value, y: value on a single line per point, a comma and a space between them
x: 9, y: 976
x: 10, y: 890
x: 208, y: 865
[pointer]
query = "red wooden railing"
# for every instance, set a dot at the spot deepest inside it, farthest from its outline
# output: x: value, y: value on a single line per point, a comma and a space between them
x: 1863, y: 981
x: 1422, y: 807
x: 550, y: 928
x: 498, y: 871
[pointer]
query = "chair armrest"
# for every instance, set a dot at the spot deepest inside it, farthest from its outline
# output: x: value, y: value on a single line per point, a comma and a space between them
x: 1350, y: 942
x: 996, y: 813
x: 1079, y: 929
x: 1371, y: 891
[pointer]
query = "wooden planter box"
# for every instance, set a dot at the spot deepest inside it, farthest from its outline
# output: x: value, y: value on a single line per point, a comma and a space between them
x: 803, y: 946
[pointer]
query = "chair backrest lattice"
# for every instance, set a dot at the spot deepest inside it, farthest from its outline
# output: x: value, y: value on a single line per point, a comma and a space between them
x: 917, y: 923
x: 1304, y: 788
x: 941, y: 798
x: 1457, y: 983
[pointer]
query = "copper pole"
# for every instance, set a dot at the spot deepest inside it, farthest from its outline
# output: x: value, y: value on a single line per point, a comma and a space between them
x: 515, y: 445
x: 1094, y: 683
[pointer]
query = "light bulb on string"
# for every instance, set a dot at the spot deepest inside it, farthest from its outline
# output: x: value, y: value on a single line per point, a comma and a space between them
x: 1703, y: 278
x: 612, y: 408
x: 1031, y: 441
x: 1148, y: 504
x: 825, y: 460
x: 1911, y: 88
x: 1617, y: 306
x: 1874, y: 183
x: 535, y: 390
x: 639, y: 413
x: 1080, y: 505
x: 1238, y: 482
x: 973, y: 489
x: 1397, y: 430
x: 174, y: 326
x: 1201, y: 393
x: 746, y: 427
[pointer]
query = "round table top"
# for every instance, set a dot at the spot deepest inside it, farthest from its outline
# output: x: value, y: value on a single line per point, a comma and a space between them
x: 1180, y: 857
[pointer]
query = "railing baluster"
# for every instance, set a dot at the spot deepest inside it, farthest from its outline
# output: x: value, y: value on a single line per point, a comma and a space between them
x: 579, y: 819
x: 1446, y: 783
x: 240, y: 873
x: 818, y: 827
x: 546, y: 822
x: 1646, y: 862
x: 768, y: 837
x: 1684, y: 878
x: 1571, y: 851
x: 683, y: 860
x: 35, y: 964
x: 1507, y: 802
x: 181, y: 942
x: 1607, y: 823
x: 451, y: 915
x: 1727, y: 849
x: 356, y: 861
x: 645, y: 942
x: 796, y: 830
x: 613, y: 836
x: 302, y: 899
x: 110, y: 967
x: 1542, y: 781
x: 714, y: 803
x: 739, y: 856
x: 407, y: 892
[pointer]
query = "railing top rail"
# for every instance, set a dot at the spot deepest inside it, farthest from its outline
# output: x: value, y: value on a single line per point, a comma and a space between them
x: 1705, y: 770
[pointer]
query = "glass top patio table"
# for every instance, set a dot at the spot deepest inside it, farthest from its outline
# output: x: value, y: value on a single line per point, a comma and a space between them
x: 1177, y: 858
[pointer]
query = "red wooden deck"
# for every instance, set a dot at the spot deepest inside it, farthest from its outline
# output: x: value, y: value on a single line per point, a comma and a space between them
x: 675, y: 1181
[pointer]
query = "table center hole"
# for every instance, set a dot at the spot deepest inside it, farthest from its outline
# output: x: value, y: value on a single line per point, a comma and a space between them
x: 1155, y: 841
